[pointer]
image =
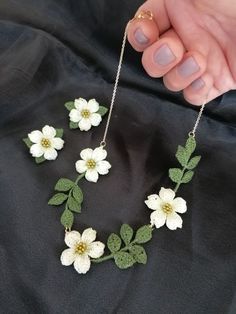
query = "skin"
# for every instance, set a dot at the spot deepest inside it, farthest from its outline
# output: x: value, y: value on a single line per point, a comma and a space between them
x: 202, y: 29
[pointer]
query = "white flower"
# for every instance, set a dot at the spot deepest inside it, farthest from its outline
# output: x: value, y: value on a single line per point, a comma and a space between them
x: 166, y: 207
x: 81, y: 248
x: 93, y: 163
x: 45, y: 143
x: 85, y: 114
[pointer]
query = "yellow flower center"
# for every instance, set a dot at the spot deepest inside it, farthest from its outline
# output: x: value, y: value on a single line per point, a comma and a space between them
x: 45, y: 143
x: 85, y: 113
x: 91, y: 164
x: 81, y: 247
x: 167, y: 208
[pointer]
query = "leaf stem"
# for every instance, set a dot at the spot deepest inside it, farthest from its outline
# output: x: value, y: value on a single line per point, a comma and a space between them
x: 179, y: 183
x: 79, y: 178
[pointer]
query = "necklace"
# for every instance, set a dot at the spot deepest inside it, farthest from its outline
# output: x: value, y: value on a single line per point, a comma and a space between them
x: 126, y: 248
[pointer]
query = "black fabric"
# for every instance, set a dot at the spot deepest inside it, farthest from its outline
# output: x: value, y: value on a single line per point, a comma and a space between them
x: 53, y: 51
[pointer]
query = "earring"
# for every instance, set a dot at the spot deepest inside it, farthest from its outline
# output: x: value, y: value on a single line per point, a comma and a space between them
x: 85, y: 114
x: 43, y: 145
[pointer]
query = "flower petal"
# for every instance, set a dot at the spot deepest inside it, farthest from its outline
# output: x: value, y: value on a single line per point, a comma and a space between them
x: 153, y: 202
x: 99, y: 154
x: 85, y: 124
x: 75, y: 115
x: 82, y: 264
x: 80, y: 166
x: 80, y: 103
x: 57, y: 143
x: 96, y: 249
x: 36, y: 150
x: 35, y: 136
x: 89, y: 235
x: 158, y: 218
x: 95, y: 119
x: 50, y: 154
x: 179, y: 205
x: 167, y: 195
x: 91, y: 175
x: 93, y: 105
x: 174, y: 221
x: 49, y: 131
x: 68, y: 257
x: 86, y: 153
x: 72, y: 238
x: 103, y: 167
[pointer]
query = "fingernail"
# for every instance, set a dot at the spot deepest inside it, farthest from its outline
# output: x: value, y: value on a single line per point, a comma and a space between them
x: 164, y: 55
x: 140, y: 37
x: 188, y: 67
x: 198, y: 84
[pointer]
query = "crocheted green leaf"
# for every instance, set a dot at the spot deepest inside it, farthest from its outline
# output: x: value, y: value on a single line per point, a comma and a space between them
x: 126, y: 233
x: 190, y: 145
x: 139, y: 254
x: 187, y: 176
x: 59, y: 132
x: 175, y: 174
x: 57, y: 199
x: 67, y: 218
x: 39, y: 160
x: 114, y: 243
x: 143, y: 234
x: 102, y: 110
x: 124, y: 260
x: 74, y: 205
x: 182, y: 155
x: 69, y: 105
x: 193, y: 162
x: 27, y: 142
x: 78, y: 194
x: 64, y: 185
x: 73, y: 125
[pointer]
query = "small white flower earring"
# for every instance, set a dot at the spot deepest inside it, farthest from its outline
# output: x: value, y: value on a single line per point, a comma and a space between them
x: 85, y: 114
x: 44, y: 144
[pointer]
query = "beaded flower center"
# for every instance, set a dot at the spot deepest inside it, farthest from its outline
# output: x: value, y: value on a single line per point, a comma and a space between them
x: 85, y: 113
x: 81, y: 247
x: 45, y: 143
x: 167, y: 208
x: 91, y: 164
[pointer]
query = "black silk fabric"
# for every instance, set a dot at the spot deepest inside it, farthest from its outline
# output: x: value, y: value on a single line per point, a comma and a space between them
x: 53, y: 51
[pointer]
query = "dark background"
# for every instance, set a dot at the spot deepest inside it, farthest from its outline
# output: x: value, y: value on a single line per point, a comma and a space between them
x: 53, y: 51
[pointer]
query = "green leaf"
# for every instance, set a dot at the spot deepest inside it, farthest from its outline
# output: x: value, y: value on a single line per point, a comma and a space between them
x: 193, y: 162
x: 39, y: 160
x: 78, y: 194
x: 190, y: 145
x: 64, y: 185
x: 59, y: 132
x: 143, y: 234
x: 67, y: 218
x: 73, y: 125
x: 175, y: 174
x: 27, y: 142
x: 57, y: 199
x: 114, y: 243
x: 69, y: 105
x: 74, y: 205
x: 139, y: 254
x: 126, y: 233
x: 124, y: 260
x: 102, y: 110
x: 182, y: 156
x: 187, y: 176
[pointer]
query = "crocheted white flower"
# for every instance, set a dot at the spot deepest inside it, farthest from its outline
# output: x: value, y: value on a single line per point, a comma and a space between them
x: 166, y: 207
x: 81, y: 249
x: 93, y: 163
x: 85, y: 114
x: 44, y: 144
